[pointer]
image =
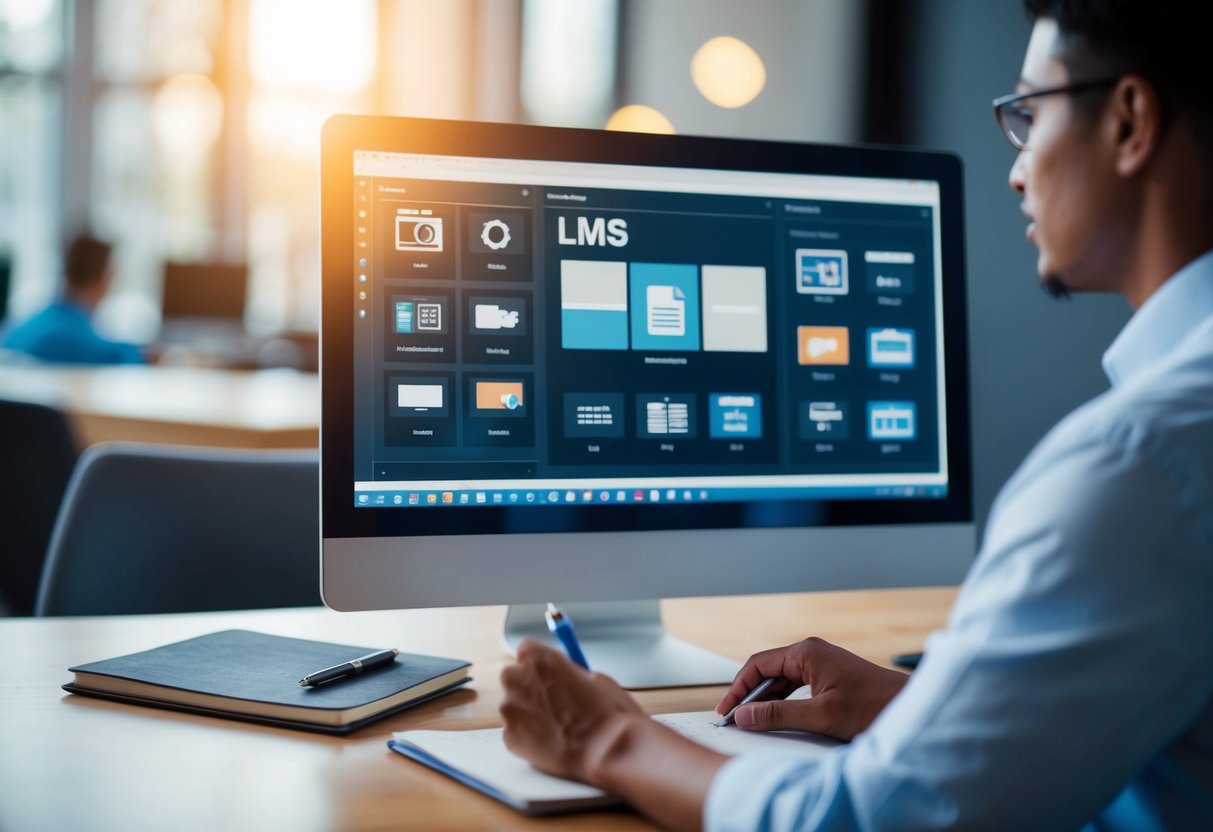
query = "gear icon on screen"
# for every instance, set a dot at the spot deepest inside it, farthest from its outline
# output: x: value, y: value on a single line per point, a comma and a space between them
x: 502, y: 236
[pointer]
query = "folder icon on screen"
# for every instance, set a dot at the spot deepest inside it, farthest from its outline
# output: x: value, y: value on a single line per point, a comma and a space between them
x: 419, y: 396
x: 823, y: 345
x: 499, y: 395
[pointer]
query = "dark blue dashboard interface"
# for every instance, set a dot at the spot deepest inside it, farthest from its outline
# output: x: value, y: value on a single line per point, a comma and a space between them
x: 553, y: 332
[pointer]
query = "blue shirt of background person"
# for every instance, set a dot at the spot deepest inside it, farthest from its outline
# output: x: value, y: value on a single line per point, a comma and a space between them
x: 63, y: 332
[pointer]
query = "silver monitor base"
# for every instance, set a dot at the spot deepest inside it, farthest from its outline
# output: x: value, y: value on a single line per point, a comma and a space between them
x: 627, y: 641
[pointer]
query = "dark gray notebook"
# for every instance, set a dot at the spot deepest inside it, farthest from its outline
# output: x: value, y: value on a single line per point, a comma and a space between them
x: 255, y: 677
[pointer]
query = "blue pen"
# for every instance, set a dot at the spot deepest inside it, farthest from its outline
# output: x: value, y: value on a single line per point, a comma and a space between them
x: 562, y: 627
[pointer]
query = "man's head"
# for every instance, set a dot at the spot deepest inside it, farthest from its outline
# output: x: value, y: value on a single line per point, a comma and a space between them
x: 1117, y: 168
x: 87, y: 270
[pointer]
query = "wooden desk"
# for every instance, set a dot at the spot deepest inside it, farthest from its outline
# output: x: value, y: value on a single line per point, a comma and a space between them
x: 179, y: 405
x: 70, y: 762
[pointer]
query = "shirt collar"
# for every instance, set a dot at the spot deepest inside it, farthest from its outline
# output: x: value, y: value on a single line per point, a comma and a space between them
x: 67, y: 304
x: 1162, y: 323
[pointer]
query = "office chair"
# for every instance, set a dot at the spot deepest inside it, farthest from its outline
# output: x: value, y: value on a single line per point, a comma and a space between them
x: 160, y: 528
x: 38, y: 453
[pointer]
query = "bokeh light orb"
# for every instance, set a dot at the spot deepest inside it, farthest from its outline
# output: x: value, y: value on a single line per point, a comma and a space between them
x: 728, y: 72
x: 637, y: 118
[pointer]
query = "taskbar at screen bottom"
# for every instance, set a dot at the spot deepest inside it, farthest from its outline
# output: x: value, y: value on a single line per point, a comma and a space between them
x: 632, y: 496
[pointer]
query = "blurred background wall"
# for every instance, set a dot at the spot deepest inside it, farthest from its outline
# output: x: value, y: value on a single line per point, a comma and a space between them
x: 188, y: 130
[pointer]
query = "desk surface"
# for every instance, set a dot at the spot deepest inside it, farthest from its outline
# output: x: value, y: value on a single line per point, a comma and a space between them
x: 70, y: 762
x: 178, y: 405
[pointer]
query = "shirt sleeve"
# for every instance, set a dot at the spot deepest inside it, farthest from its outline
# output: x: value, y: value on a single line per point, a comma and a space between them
x: 1080, y: 646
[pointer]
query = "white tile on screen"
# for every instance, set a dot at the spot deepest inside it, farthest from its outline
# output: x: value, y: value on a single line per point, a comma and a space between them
x: 594, y: 304
x: 734, y: 308
x: 419, y: 396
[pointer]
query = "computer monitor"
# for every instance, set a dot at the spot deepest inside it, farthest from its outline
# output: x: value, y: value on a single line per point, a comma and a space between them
x: 604, y: 368
x: 204, y: 293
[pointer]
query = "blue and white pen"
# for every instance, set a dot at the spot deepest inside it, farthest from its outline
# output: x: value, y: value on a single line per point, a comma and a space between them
x: 562, y: 627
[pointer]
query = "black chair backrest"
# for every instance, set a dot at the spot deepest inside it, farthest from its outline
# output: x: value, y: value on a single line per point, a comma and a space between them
x: 37, y: 454
x: 159, y: 528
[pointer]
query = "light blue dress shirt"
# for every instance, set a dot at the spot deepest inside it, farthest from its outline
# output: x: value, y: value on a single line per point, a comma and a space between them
x: 1073, y: 685
x: 63, y: 333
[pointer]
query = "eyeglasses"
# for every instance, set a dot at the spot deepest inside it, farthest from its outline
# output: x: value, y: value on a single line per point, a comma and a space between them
x: 1016, y: 120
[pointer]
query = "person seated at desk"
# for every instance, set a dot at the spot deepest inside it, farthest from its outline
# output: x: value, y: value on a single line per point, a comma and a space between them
x: 63, y: 332
x: 1073, y: 685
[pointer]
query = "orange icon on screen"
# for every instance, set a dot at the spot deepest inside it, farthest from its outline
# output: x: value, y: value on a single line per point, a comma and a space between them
x: 823, y: 345
x: 499, y: 395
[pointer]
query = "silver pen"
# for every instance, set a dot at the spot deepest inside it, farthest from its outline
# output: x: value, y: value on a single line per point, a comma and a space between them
x: 727, y: 719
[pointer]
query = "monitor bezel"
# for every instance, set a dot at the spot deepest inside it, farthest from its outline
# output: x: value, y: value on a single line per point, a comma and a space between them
x: 343, y: 135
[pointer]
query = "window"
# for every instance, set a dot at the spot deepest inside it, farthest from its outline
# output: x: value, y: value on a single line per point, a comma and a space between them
x: 31, y: 110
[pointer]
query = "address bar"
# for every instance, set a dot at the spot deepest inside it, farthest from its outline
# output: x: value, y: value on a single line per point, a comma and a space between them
x: 637, y: 177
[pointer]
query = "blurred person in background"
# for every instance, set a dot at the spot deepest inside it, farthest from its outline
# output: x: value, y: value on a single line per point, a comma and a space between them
x: 63, y: 332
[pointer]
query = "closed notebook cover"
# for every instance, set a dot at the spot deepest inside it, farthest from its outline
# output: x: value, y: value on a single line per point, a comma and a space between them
x: 248, y: 675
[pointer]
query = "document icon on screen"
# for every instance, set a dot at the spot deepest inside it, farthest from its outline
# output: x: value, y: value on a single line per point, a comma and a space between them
x: 420, y: 315
x: 666, y: 310
x: 665, y: 415
x: 429, y: 317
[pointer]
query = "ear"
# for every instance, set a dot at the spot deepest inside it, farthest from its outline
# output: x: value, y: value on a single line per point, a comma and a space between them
x: 1136, y: 113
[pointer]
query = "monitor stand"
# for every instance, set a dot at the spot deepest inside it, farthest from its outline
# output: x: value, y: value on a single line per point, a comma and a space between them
x: 627, y: 641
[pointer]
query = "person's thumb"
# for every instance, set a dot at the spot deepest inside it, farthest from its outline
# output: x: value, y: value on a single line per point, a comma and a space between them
x: 776, y: 714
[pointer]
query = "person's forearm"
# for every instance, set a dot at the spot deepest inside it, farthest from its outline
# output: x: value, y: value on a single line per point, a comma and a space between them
x: 656, y: 770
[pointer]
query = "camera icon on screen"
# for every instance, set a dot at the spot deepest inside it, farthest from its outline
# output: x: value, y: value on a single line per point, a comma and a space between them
x: 418, y: 233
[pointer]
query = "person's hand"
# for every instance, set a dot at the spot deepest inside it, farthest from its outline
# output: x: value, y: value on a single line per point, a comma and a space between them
x: 559, y: 716
x: 848, y: 692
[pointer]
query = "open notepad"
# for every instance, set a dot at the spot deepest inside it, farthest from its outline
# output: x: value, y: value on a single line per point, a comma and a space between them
x: 480, y: 759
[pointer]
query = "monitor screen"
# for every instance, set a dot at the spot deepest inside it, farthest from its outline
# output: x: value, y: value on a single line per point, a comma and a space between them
x: 542, y: 347
x: 204, y: 292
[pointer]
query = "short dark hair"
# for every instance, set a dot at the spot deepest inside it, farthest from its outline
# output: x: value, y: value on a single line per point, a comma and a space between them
x: 85, y: 261
x: 1164, y: 41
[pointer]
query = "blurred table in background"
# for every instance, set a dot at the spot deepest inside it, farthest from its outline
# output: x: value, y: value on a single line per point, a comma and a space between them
x: 180, y: 405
